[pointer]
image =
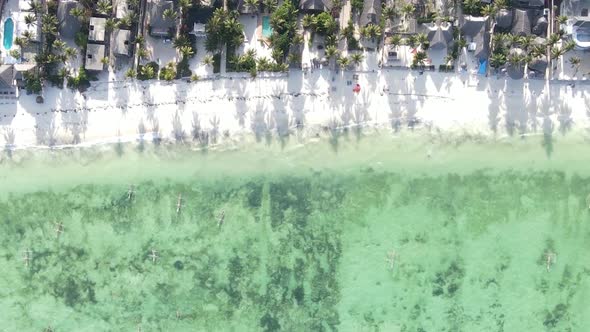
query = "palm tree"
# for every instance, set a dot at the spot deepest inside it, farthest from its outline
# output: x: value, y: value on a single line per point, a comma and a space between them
x: 169, y: 14
x: 395, y: 40
x: 252, y: 5
x: 59, y: 44
x: 128, y: 19
x: 71, y: 53
x: 49, y: 24
x: 471, y: 7
x: 148, y: 72
x: 569, y: 45
x: 36, y: 7
x: 512, y: 39
x: 526, y: 41
x: 140, y: 40
x: 104, y: 7
x: 208, y: 60
x: 501, y: 4
x: 271, y: 5
x: 105, y: 60
x: 181, y: 41
x: 490, y: 11
x: 110, y: 24
x: 407, y: 9
x: 79, y: 13
x: 30, y: 20
x: 553, y: 39
x: 186, y: 51
x: 356, y: 58
x: 63, y: 73
x: 14, y: 53
x: 419, y: 59
x: 142, y: 53
x: 28, y: 35
x: 561, y: 19
x: 538, y: 50
x: 422, y: 40
x: 575, y: 62
x: 21, y: 42
x: 184, y: 5
x: 411, y: 41
x: 389, y: 12
x: 516, y: 59
x: 331, y: 51
x: 130, y: 73
x: 343, y: 62
x: 308, y: 21
x: 263, y: 64
x: 556, y: 52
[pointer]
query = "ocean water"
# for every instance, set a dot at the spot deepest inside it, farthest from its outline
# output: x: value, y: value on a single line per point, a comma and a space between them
x: 374, y: 233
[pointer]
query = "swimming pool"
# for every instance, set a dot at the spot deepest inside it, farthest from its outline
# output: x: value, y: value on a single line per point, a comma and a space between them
x: 8, y: 32
x: 266, y: 28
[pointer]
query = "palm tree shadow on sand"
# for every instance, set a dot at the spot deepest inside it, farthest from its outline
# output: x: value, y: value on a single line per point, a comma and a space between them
x: 9, y: 138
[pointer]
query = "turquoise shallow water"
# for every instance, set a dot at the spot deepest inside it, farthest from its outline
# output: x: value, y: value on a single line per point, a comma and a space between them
x: 484, y: 236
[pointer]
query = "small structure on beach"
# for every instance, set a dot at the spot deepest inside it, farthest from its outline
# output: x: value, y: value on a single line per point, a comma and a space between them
x: 122, y: 8
x: 8, y: 87
x: 474, y: 29
x: 440, y: 35
x: 96, y: 29
x: 315, y: 6
x: 94, y: 55
x: 120, y: 42
x: 522, y: 25
x: 371, y: 12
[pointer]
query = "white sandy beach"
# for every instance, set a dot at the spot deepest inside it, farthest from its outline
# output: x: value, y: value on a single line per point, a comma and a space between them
x: 222, y: 110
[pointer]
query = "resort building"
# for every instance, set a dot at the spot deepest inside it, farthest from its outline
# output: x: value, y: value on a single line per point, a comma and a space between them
x: 94, y: 55
x: 474, y: 30
x: 315, y: 6
x: 440, y: 35
x: 96, y: 29
x: 7, y: 82
x: 578, y: 24
x: 371, y: 12
x: 121, y: 40
x: 122, y: 8
x: 158, y: 26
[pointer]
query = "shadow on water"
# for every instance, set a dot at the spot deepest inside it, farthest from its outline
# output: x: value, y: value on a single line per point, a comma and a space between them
x: 156, y: 135
x: 119, y: 149
x: 548, y: 136
x: 177, y: 130
x: 141, y: 140
x: 9, y: 138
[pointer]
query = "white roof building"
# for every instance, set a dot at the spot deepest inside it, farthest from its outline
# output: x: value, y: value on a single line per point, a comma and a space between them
x: 96, y: 29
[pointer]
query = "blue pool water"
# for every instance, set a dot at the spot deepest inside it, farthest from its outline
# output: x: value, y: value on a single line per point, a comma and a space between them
x: 8, y: 32
x: 266, y: 28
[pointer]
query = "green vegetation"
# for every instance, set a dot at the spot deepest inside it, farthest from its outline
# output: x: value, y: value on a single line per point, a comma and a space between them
x: 168, y: 72
x: 147, y: 71
x: 33, y: 82
x: 224, y: 28
x: 284, y: 24
x: 81, y: 81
